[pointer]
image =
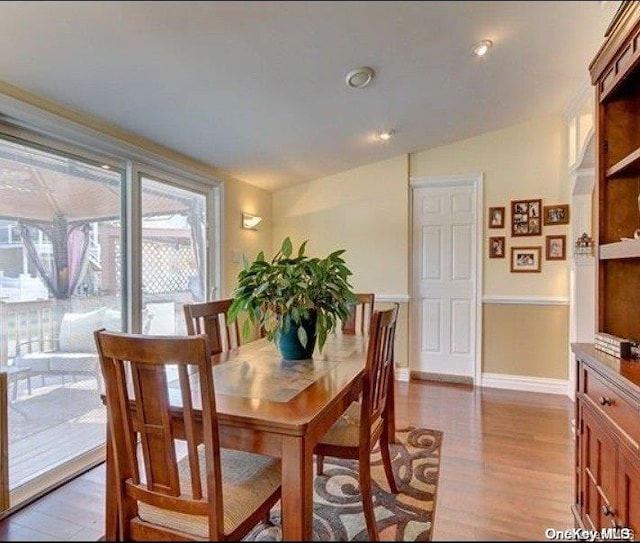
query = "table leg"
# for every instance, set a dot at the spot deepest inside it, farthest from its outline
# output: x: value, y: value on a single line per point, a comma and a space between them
x: 297, y: 489
x: 111, y: 505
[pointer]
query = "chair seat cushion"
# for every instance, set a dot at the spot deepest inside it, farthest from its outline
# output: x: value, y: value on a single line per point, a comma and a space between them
x: 345, y: 432
x: 247, y: 481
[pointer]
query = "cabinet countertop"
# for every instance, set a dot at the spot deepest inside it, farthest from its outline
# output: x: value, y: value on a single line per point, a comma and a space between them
x: 626, y: 372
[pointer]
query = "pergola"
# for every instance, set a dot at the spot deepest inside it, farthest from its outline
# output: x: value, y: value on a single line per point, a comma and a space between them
x: 62, y: 196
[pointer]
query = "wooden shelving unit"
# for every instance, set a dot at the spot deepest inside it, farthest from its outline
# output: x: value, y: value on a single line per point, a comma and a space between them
x: 621, y: 249
x: 628, y: 166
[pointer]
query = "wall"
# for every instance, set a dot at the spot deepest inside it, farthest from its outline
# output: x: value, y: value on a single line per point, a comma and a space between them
x: 524, y: 161
x: 237, y: 196
x: 365, y: 211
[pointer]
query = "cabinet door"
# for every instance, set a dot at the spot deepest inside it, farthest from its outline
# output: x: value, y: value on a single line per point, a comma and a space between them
x: 629, y: 493
x: 599, y: 457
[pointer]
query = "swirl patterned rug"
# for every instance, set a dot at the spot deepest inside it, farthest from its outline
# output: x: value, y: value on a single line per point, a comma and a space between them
x: 407, y: 516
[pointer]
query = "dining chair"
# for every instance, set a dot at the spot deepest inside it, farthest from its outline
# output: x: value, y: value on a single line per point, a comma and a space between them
x: 175, y: 482
x: 364, y: 424
x: 360, y: 312
x: 210, y: 318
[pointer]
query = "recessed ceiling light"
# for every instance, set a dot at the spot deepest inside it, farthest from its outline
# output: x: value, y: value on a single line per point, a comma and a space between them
x: 481, y: 48
x: 105, y: 167
x: 360, y: 77
x: 386, y: 135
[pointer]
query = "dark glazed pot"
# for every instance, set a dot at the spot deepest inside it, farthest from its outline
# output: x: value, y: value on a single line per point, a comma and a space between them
x: 290, y: 346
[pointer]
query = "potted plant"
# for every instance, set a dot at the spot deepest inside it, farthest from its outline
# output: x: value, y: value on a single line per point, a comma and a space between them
x: 295, y: 299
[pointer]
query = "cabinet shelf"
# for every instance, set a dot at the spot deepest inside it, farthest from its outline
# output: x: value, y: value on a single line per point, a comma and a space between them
x: 629, y: 165
x: 620, y: 249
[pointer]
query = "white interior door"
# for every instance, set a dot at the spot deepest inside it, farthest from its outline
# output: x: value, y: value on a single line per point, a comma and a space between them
x: 444, y: 278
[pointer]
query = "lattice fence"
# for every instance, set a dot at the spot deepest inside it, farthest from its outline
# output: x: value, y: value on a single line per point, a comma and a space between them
x: 168, y: 265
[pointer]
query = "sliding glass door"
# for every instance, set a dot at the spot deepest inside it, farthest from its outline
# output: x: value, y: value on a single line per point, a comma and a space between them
x: 85, y: 243
x: 60, y: 258
x: 174, y: 255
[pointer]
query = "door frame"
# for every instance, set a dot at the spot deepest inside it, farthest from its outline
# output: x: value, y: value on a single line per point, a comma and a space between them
x: 476, y: 180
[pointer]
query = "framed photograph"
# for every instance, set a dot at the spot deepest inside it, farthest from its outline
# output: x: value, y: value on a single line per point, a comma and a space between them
x: 496, y: 247
x: 496, y: 217
x: 525, y: 217
x: 556, y: 248
x: 525, y: 259
x: 558, y: 214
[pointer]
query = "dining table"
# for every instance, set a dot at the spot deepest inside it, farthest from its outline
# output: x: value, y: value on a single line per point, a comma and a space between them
x: 279, y: 408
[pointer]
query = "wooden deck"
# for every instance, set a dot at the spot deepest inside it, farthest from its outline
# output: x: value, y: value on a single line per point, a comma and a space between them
x: 56, y: 422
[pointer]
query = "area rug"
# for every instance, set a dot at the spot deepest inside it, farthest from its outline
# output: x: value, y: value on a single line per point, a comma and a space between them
x: 406, y: 516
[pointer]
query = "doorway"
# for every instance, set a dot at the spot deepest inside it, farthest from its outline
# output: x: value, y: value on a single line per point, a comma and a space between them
x: 446, y: 278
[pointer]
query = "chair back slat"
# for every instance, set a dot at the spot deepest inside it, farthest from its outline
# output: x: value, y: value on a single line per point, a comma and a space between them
x: 379, y: 366
x: 359, y: 314
x: 140, y: 386
x: 210, y: 318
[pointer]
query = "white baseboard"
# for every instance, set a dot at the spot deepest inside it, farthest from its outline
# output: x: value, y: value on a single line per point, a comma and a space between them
x: 402, y: 374
x: 526, y: 384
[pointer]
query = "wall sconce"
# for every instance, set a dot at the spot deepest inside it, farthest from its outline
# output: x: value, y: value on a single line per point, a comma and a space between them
x: 250, y: 222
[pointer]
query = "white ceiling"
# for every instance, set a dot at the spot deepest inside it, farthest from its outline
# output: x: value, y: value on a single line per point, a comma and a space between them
x: 257, y: 88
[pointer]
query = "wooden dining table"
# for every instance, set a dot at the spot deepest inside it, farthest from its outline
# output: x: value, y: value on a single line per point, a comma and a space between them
x: 278, y: 408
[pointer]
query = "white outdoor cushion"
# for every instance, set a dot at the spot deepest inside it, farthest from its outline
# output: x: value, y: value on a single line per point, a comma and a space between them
x: 34, y: 361
x: 76, y: 330
x: 73, y: 362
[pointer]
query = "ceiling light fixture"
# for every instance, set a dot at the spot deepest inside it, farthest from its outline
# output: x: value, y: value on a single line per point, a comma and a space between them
x: 360, y: 77
x: 481, y: 48
x: 386, y: 135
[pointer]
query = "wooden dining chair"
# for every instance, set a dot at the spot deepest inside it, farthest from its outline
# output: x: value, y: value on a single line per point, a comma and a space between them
x: 210, y: 493
x: 359, y: 313
x: 364, y: 424
x: 210, y: 318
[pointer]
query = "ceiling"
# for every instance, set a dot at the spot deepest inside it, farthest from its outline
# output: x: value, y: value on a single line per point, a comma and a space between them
x: 258, y: 88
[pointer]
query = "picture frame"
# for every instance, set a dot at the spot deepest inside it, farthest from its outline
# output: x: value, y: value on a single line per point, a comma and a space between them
x: 556, y: 247
x: 526, y: 259
x: 496, y: 217
x: 525, y: 217
x: 497, y: 247
x: 556, y: 214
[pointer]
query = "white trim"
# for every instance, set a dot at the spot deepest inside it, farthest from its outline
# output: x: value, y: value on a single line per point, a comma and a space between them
x: 22, y: 114
x: 402, y: 374
x: 525, y: 383
x: 526, y: 300
x: 479, y: 190
x: 446, y: 181
x: 400, y: 298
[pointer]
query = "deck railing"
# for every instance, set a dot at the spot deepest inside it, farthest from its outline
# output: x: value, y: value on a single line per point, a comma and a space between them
x: 22, y: 321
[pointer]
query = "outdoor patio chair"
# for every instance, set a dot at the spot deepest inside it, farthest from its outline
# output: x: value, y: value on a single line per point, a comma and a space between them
x: 72, y: 352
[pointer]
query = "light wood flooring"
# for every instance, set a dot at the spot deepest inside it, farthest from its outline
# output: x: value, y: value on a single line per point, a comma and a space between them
x: 506, y: 473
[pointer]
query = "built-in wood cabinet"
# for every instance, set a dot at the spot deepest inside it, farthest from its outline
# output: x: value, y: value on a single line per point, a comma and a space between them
x: 607, y: 441
x: 607, y: 492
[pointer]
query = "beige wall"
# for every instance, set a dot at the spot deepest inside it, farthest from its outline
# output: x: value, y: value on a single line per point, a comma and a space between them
x: 237, y: 196
x: 529, y: 340
x: 365, y: 211
x: 524, y: 161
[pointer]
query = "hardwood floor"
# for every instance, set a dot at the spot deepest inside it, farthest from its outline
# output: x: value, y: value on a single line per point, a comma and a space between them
x: 506, y: 473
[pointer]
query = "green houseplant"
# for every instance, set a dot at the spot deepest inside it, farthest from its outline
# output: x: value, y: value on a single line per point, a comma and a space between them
x: 294, y: 298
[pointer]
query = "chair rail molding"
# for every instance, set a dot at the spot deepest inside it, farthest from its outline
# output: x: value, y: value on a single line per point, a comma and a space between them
x: 525, y: 300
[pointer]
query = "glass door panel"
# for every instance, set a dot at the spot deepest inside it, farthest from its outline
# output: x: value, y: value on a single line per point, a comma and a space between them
x: 173, y: 254
x: 60, y: 279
